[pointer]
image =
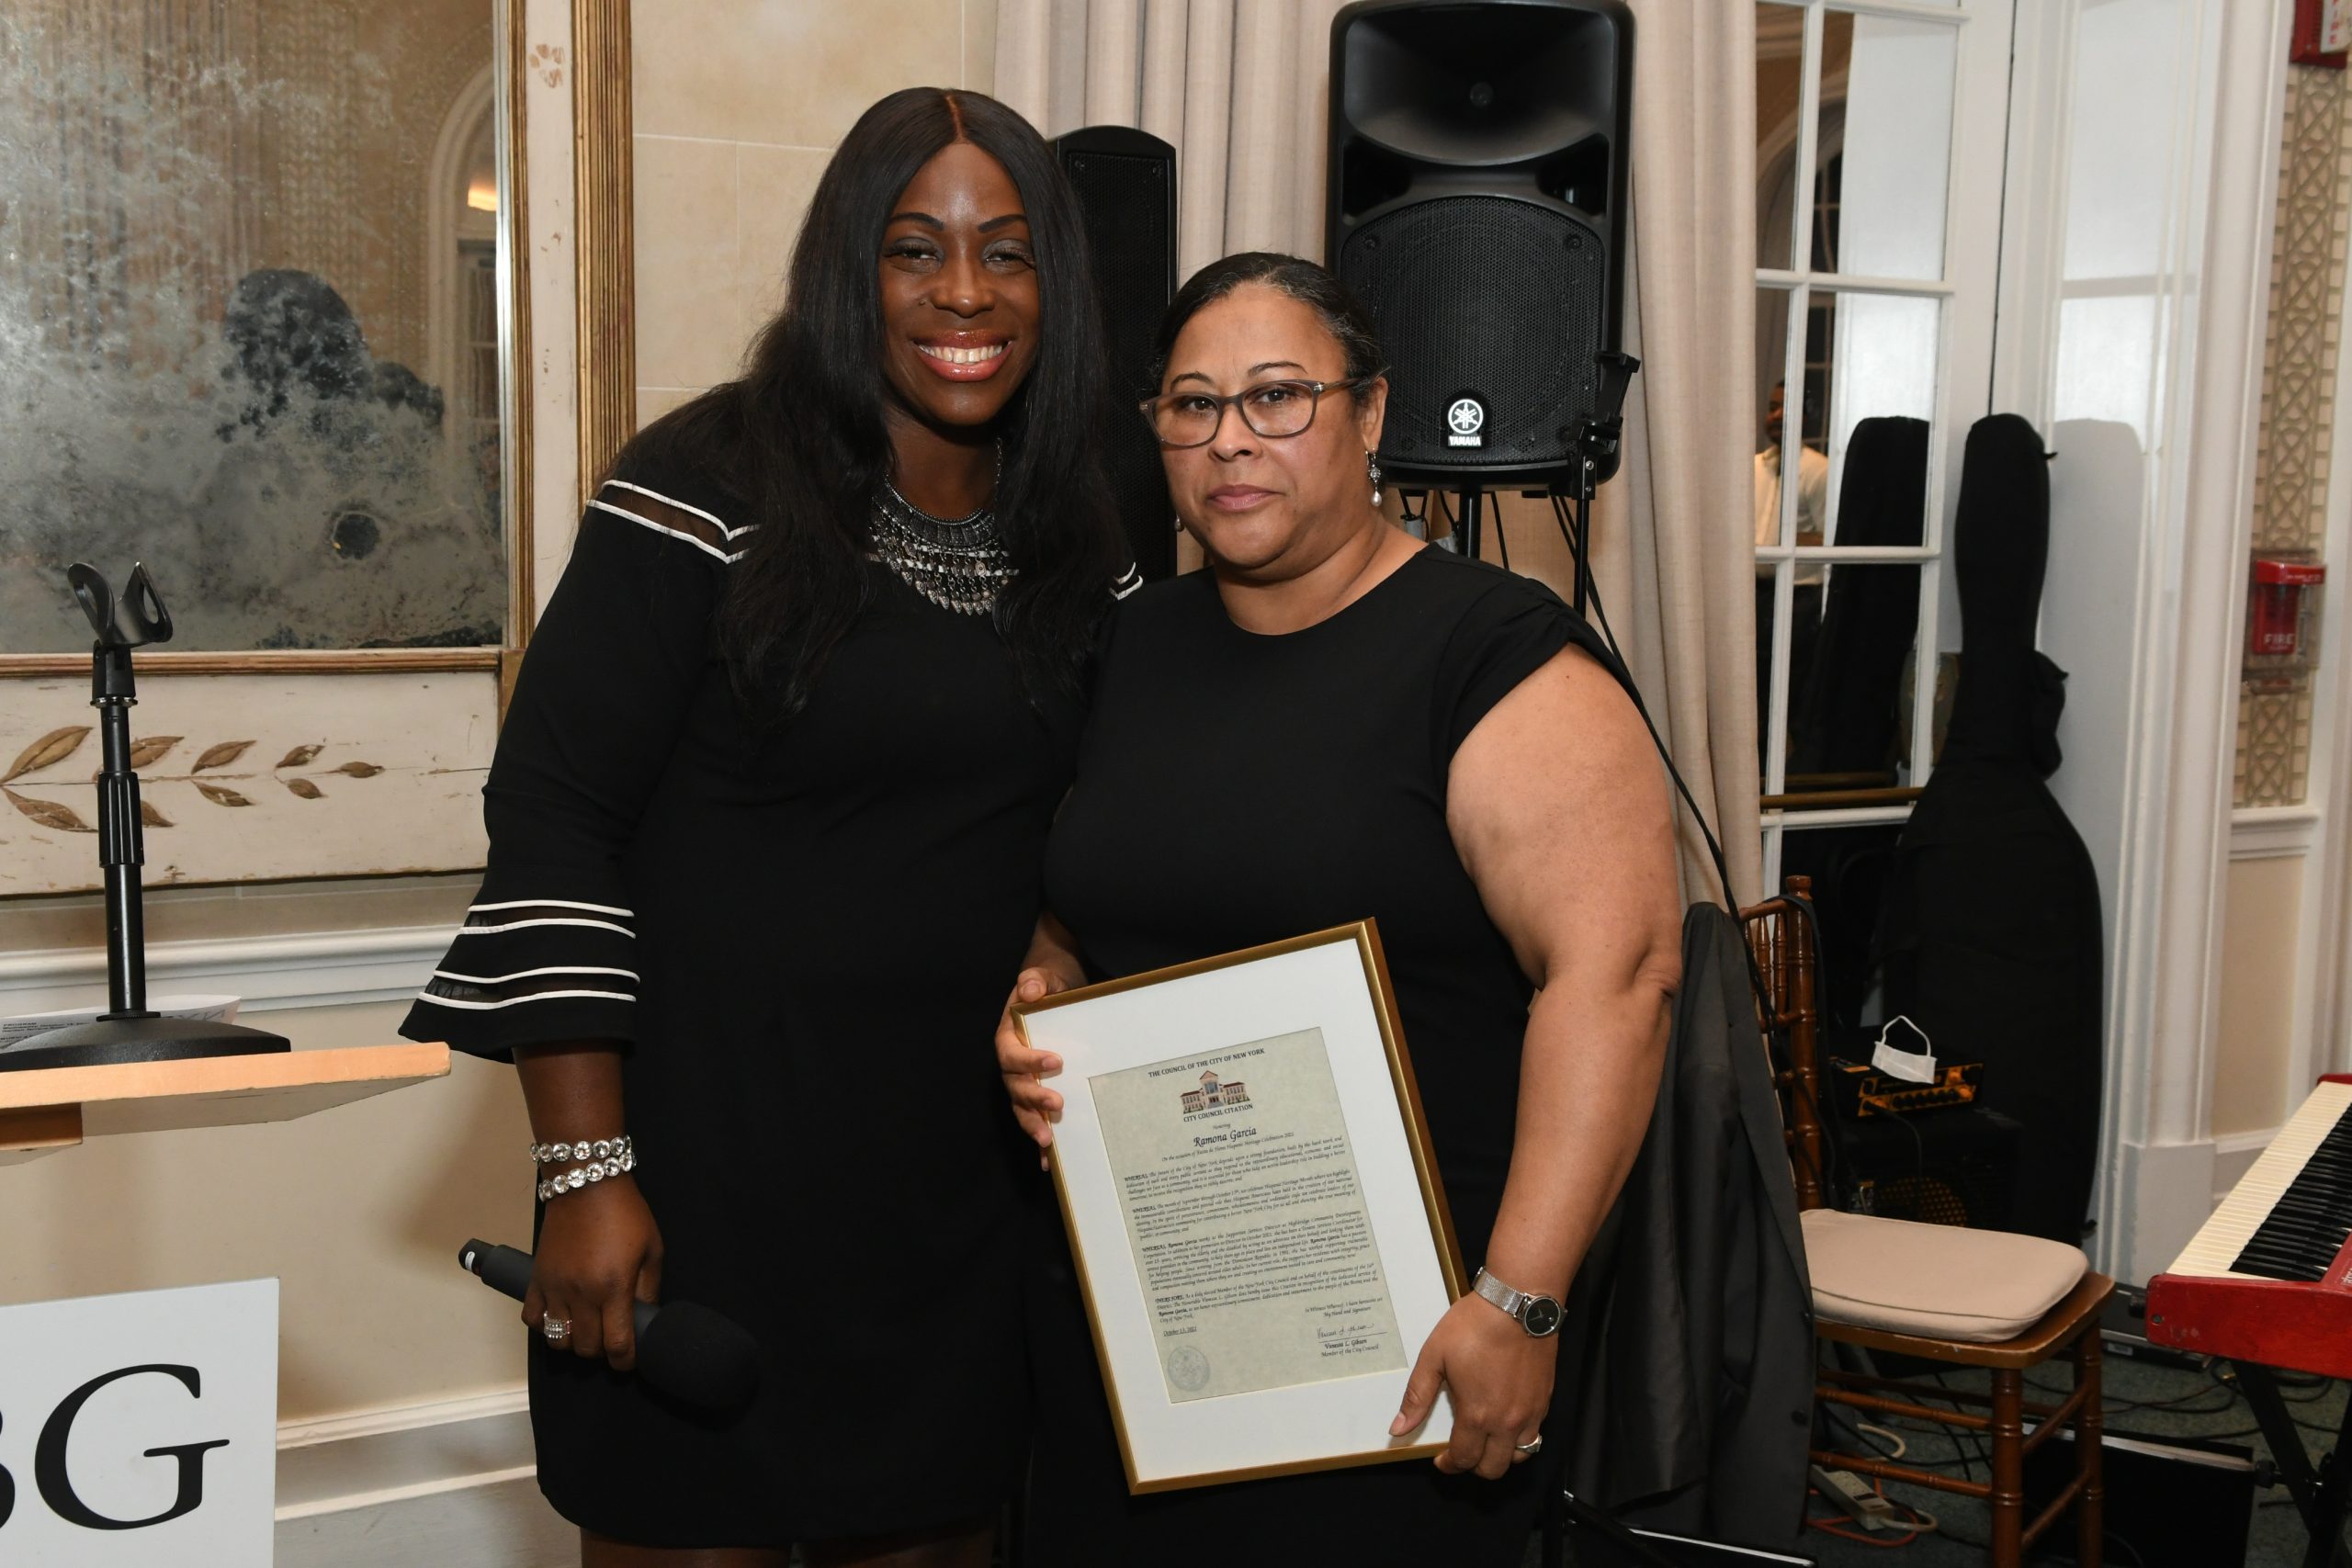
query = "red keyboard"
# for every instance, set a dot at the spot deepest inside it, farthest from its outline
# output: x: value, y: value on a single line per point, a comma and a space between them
x: 2268, y: 1279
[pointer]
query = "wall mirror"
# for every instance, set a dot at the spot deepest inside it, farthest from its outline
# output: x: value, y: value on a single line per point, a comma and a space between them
x: 264, y: 326
x: 258, y: 320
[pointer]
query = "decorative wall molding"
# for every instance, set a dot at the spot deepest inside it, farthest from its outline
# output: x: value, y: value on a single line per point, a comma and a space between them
x: 604, y: 219
x: 513, y: 48
x: 452, y: 1483
x: 2161, y: 1055
x: 2271, y: 832
x: 370, y: 1457
x: 2146, y: 595
x: 272, y: 974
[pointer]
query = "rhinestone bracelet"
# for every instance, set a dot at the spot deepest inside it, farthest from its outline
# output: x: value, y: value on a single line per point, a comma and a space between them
x: 603, y: 1148
x: 572, y: 1180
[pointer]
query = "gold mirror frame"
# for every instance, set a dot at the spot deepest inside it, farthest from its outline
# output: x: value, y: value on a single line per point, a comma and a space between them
x: 607, y: 359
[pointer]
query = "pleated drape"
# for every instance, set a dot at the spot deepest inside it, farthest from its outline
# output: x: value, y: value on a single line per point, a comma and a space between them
x: 1237, y: 86
x: 1240, y: 88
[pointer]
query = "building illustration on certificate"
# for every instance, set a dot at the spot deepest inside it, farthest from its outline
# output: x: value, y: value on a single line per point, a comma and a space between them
x: 1213, y: 1094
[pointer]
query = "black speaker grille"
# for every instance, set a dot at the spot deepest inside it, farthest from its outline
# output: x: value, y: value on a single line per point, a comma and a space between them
x: 1489, y: 295
x: 1129, y: 207
x: 1129, y: 225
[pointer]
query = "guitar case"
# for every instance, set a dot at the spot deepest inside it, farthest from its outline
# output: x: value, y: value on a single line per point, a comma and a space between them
x: 1990, y: 937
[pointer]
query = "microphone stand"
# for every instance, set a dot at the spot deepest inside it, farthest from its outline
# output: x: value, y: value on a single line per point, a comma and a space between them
x: 127, y: 1030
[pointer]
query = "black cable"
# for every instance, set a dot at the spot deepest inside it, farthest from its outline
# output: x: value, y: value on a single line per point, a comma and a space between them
x: 1600, y: 615
x: 1961, y: 1434
x: 1494, y: 520
x: 1706, y: 831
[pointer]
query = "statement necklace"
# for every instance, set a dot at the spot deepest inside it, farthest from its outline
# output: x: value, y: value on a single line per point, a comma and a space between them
x: 959, y: 564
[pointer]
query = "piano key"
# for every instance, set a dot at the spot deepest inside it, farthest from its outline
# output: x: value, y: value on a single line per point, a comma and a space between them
x: 2295, y: 1200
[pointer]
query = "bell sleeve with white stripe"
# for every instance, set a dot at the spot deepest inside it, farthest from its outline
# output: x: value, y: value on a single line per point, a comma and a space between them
x: 548, y: 951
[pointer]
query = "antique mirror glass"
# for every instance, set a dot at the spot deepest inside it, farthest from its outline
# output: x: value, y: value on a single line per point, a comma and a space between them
x: 252, y: 318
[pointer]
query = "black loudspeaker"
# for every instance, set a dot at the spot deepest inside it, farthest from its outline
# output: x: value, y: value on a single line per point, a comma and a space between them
x: 1126, y: 181
x: 1475, y: 202
x: 1956, y: 1166
x: 2172, y: 1502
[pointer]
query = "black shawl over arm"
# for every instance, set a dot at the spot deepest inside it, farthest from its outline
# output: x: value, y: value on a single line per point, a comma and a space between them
x: 1693, y: 1375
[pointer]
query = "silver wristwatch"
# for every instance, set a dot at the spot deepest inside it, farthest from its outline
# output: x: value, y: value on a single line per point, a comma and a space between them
x: 1540, y: 1316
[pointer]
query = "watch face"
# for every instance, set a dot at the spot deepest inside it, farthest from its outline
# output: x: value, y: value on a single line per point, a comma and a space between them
x: 1541, y: 1316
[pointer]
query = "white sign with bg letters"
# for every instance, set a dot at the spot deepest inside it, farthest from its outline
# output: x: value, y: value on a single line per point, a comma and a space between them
x: 140, y: 1430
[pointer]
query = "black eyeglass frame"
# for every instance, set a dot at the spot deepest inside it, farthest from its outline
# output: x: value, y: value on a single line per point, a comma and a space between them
x: 1351, y: 386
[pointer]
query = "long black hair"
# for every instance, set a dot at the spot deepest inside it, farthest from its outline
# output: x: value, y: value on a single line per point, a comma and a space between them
x: 1316, y: 287
x: 799, y: 437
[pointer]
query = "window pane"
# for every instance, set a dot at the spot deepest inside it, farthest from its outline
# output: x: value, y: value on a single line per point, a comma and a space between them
x: 1852, y: 630
x: 1870, y: 357
x: 1780, y: 87
x: 1883, y: 150
x: 1772, y: 307
x: 1849, y: 869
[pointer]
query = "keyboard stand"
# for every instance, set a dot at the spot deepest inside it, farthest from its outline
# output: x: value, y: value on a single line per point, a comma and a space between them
x: 2321, y: 1494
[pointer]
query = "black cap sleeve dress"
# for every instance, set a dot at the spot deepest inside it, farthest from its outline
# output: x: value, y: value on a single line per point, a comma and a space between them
x: 801, y: 937
x: 1236, y: 789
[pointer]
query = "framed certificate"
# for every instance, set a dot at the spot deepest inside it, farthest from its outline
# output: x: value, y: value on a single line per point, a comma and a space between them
x: 1259, y: 1232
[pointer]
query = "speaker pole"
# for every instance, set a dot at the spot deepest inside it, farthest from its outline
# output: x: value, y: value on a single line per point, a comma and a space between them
x: 1465, y: 529
x: 1581, y: 598
x: 1598, y: 439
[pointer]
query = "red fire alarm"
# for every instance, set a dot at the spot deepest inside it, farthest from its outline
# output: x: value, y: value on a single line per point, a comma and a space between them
x: 2274, y: 620
x: 2322, y: 31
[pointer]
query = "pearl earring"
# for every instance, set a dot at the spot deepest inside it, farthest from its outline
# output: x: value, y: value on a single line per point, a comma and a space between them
x: 1372, y: 469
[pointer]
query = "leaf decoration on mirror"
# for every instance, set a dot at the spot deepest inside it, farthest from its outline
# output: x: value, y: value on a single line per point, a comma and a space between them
x: 48, y: 812
x: 299, y: 755
x: 151, y: 750
x: 153, y: 818
x: 306, y: 789
x: 220, y: 795
x: 361, y: 770
x: 54, y: 747
x: 221, y: 756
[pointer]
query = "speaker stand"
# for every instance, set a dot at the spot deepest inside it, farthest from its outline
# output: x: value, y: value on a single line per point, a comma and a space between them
x: 1465, y: 524
x: 1597, y: 440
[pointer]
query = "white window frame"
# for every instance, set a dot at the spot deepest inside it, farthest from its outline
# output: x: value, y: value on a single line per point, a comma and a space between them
x: 1967, y: 291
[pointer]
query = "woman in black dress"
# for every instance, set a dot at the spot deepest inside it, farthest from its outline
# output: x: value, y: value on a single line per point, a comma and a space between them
x: 1334, y: 721
x: 765, y: 823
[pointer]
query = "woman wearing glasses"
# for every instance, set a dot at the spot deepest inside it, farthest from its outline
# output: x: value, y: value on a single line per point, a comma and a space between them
x: 1334, y: 721
x: 765, y: 825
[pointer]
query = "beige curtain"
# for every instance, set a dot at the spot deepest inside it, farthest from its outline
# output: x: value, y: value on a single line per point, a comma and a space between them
x: 1236, y: 87
x: 1240, y: 89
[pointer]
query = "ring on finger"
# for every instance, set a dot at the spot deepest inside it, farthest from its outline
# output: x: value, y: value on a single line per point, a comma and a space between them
x: 1531, y: 1448
x: 557, y: 1329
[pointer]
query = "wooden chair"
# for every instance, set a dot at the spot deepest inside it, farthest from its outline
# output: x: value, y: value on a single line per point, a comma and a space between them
x: 2000, y: 1305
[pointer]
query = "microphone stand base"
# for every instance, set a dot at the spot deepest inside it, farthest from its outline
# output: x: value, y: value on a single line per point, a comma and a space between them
x: 110, y: 1042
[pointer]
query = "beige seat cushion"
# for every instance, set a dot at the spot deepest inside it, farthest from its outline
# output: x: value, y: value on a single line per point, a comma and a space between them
x: 1935, y: 1282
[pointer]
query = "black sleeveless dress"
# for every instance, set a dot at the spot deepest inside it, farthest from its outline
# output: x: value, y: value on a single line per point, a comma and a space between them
x: 804, y: 939
x: 1235, y: 789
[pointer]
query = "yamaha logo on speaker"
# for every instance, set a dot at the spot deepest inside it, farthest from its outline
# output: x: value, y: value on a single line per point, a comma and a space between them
x: 1465, y: 422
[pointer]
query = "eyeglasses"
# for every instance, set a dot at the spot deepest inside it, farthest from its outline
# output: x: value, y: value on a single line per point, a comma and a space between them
x: 1271, y: 408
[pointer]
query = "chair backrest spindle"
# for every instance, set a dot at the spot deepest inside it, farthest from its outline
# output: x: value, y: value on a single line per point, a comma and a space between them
x: 1780, y: 934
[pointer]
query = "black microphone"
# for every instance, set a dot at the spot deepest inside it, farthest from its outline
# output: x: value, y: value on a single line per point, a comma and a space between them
x: 686, y: 1352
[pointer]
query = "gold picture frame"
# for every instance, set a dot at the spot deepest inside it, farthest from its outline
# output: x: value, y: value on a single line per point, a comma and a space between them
x: 1351, y: 1009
